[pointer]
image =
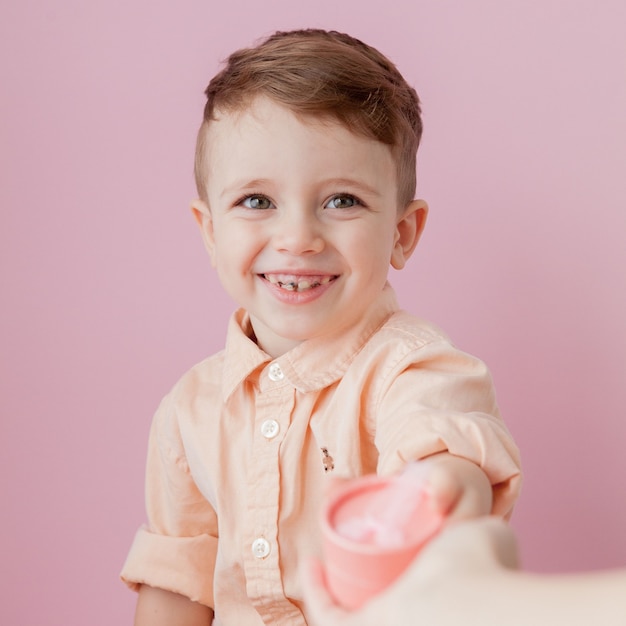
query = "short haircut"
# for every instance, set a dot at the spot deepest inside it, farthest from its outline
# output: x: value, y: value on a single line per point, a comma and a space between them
x: 323, y: 74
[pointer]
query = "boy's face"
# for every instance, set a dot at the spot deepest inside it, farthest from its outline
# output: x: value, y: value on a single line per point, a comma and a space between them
x: 302, y: 221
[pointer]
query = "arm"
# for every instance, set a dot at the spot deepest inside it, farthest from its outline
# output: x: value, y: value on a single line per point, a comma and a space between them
x: 464, y: 577
x: 439, y: 400
x: 156, y: 607
x: 176, y: 551
x: 567, y: 600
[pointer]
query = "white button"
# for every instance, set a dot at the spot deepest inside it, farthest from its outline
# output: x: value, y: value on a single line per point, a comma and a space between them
x: 270, y: 428
x: 260, y: 548
x: 275, y: 373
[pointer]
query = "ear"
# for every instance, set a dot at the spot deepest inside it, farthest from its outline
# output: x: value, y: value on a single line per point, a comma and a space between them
x: 202, y: 214
x: 409, y: 229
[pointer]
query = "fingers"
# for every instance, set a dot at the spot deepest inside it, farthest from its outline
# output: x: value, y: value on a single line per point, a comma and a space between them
x: 502, y: 542
x: 459, y: 488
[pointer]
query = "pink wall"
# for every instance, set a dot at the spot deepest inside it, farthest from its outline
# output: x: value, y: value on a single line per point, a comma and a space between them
x: 107, y: 296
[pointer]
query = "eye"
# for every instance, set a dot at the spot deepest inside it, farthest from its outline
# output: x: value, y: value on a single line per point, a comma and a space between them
x: 256, y: 202
x: 343, y: 201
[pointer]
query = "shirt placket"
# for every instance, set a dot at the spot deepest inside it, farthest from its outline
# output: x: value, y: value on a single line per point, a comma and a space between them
x: 274, y: 405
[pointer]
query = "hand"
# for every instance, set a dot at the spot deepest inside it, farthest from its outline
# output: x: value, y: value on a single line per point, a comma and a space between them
x: 438, y: 587
x: 460, y: 489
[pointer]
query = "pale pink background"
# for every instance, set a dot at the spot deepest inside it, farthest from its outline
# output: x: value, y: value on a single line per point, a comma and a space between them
x: 107, y: 295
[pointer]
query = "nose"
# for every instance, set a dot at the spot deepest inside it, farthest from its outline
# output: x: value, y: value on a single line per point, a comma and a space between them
x: 298, y: 232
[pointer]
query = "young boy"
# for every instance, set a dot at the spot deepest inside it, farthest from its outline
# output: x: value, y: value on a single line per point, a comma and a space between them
x: 305, y: 167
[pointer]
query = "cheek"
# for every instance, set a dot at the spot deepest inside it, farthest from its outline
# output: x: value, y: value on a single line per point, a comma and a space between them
x: 373, y: 248
x: 235, y: 250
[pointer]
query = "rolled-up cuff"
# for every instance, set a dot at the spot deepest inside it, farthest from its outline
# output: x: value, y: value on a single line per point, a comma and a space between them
x: 183, y: 565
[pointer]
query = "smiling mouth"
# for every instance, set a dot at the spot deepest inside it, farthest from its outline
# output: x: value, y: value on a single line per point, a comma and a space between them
x: 291, y: 282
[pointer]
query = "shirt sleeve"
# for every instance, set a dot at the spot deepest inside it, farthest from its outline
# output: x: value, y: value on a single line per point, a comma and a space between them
x: 438, y: 399
x: 176, y: 550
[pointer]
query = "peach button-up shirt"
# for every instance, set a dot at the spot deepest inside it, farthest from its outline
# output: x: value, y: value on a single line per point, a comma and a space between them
x: 242, y: 449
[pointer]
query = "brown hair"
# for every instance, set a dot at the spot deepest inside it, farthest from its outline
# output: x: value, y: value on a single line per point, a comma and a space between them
x: 326, y: 74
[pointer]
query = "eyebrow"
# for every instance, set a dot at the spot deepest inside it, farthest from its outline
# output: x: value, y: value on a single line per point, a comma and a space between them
x: 240, y: 186
x: 254, y: 184
x: 352, y: 182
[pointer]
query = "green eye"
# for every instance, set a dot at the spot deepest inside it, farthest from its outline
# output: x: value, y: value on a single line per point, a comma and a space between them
x: 342, y: 202
x: 257, y: 202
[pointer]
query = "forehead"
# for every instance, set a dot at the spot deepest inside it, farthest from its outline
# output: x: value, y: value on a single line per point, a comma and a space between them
x: 269, y: 137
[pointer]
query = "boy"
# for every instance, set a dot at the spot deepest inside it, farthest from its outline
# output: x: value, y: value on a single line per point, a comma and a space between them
x: 305, y: 167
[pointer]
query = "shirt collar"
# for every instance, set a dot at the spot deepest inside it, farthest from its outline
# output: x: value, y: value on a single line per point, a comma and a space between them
x: 313, y: 364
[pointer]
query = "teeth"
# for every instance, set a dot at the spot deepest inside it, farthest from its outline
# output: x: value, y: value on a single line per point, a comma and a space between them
x: 293, y: 283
